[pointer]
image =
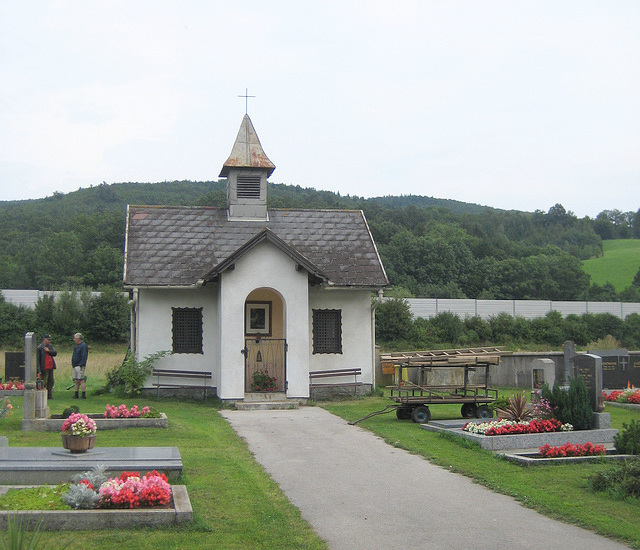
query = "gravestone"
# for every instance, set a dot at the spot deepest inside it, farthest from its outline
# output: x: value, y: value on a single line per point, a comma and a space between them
x: 589, y: 367
x: 35, y: 401
x: 569, y: 349
x: 618, y: 370
x: 543, y: 371
x: 13, y: 365
x: 634, y: 369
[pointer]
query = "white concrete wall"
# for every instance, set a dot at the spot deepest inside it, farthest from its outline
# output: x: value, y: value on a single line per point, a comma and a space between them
x: 529, y: 309
x: 154, y: 326
x: 264, y: 267
x: 356, y: 332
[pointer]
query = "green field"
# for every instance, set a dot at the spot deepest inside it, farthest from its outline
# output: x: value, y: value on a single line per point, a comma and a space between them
x: 618, y: 265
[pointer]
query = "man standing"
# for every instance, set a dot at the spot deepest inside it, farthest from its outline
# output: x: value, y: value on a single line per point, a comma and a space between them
x: 79, y: 364
x: 45, y: 363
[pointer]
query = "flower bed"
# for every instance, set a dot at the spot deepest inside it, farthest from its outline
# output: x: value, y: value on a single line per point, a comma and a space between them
x: 569, y: 449
x: 630, y: 395
x: 122, y: 412
x: 535, y: 459
x: 113, y: 418
x: 12, y: 386
x: 522, y: 441
x: 510, y: 427
x: 177, y: 511
x: 92, y: 489
x: 11, y: 389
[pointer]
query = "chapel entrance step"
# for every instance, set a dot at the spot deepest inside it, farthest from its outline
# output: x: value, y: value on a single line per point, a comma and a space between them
x: 264, y: 401
x: 261, y: 397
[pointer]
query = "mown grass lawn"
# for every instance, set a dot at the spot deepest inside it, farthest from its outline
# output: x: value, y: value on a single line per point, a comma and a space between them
x: 236, y: 504
x: 558, y: 491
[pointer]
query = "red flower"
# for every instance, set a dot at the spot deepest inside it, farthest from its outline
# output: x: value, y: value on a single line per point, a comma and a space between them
x: 569, y: 449
x: 87, y: 483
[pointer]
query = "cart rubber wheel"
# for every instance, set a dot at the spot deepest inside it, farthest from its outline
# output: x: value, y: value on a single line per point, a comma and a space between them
x: 468, y: 410
x: 403, y: 413
x: 484, y: 412
x: 421, y: 414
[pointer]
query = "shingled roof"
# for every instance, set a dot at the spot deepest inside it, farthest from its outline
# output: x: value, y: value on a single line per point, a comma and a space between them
x: 184, y: 246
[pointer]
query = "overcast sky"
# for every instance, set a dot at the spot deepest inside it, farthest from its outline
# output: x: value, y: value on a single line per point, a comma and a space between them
x: 511, y: 104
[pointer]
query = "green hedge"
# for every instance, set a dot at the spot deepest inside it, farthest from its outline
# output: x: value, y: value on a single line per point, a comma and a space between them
x: 101, y: 318
x: 396, y: 329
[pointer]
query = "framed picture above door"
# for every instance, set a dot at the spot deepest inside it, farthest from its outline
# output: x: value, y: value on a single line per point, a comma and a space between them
x: 257, y: 318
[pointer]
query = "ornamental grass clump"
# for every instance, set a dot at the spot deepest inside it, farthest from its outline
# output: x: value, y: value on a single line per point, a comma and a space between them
x: 517, y: 409
x: 80, y: 425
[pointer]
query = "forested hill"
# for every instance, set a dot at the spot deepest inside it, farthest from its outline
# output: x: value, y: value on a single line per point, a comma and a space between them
x: 430, y: 247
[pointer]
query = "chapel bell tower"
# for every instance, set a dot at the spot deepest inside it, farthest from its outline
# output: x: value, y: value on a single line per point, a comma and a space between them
x: 247, y: 170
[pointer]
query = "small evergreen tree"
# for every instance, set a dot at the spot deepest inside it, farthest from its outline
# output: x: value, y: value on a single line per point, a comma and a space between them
x: 581, y: 413
x: 571, y: 406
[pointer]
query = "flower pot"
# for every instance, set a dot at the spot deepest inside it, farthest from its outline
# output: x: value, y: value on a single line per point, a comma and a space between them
x: 77, y: 443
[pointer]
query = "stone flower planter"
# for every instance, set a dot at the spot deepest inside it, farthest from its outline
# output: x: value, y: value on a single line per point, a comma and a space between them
x: 179, y: 511
x: 54, y: 424
x: 532, y: 459
x: 11, y: 393
x: 523, y: 441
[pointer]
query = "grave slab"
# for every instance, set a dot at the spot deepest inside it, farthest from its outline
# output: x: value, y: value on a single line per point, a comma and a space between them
x: 50, y: 465
x: 54, y: 424
x: 532, y: 459
x: 522, y: 441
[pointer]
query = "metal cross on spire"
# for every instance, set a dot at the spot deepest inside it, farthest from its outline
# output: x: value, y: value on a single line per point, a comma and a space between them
x: 246, y: 100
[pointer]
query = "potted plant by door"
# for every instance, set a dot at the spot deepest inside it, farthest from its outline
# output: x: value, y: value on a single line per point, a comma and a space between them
x: 79, y: 433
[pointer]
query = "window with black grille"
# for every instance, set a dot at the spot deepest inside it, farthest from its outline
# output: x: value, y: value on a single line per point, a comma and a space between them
x: 248, y: 187
x: 187, y: 330
x: 327, y: 331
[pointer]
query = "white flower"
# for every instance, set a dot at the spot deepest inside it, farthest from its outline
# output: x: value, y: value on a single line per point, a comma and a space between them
x: 482, y: 427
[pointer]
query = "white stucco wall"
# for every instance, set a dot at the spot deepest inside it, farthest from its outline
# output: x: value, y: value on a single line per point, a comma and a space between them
x: 263, y: 267
x: 154, y: 324
x: 356, y: 332
x: 223, y: 323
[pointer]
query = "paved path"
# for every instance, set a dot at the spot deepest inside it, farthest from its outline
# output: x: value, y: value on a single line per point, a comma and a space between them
x: 360, y: 493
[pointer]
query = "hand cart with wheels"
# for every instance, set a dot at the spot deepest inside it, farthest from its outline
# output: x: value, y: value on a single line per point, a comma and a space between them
x: 413, y: 398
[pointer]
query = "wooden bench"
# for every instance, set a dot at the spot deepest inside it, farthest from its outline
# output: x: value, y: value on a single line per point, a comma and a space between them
x: 319, y: 374
x: 189, y: 375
